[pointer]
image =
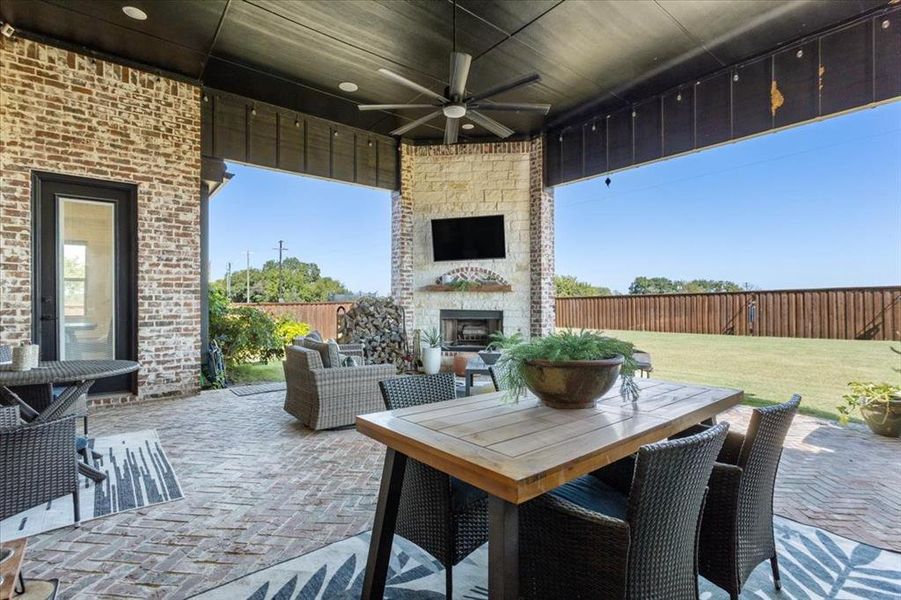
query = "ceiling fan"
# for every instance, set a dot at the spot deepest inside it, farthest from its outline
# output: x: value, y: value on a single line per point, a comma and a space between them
x: 454, y: 104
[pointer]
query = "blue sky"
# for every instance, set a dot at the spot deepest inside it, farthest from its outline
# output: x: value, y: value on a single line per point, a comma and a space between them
x: 813, y: 206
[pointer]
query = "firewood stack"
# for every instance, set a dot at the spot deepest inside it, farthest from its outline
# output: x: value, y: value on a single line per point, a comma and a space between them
x: 378, y: 324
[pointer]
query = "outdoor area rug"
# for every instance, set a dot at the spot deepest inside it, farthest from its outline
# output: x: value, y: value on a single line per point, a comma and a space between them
x: 138, y: 475
x: 813, y: 564
x: 258, y: 388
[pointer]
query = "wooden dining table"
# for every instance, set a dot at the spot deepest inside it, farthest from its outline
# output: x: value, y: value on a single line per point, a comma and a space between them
x: 516, y: 450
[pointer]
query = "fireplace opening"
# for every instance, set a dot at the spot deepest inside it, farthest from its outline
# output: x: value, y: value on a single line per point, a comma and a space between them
x: 469, y: 330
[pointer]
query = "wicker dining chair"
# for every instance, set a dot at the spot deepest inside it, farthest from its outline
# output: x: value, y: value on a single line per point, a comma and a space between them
x: 446, y: 517
x: 37, y: 464
x: 737, y: 526
x: 497, y: 373
x: 589, y: 540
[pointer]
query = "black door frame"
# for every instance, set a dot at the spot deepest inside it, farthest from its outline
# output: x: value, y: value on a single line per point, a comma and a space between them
x: 127, y: 314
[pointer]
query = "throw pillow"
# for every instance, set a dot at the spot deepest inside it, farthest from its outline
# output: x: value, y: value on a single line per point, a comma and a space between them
x: 315, y: 335
x: 334, y: 354
x: 346, y: 360
x: 320, y: 347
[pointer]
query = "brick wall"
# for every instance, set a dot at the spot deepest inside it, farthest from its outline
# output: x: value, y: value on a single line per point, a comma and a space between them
x: 68, y: 113
x: 461, y: 180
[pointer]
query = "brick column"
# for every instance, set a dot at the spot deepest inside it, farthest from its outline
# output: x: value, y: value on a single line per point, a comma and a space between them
x: 541, y: 237
x: 402, y: 239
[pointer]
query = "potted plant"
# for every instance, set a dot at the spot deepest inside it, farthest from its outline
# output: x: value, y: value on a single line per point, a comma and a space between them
x: 431, y: 350
x: 499, y: 342
x: 570, y: 370
x: 879, y: 405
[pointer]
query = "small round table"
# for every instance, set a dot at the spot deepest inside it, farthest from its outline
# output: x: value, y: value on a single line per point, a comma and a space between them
x: 77, y: 375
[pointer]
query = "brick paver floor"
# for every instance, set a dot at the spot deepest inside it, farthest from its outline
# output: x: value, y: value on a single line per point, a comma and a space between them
x: 259, y: 489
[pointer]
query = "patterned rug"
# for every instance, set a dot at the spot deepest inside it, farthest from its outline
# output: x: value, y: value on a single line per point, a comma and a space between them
x: 138, y: 475
x: 813, y: 564
x: 257, y: 388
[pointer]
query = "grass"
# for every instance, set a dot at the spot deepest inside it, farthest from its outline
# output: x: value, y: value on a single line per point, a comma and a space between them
x: 769, y: 369
x: 256, y: 373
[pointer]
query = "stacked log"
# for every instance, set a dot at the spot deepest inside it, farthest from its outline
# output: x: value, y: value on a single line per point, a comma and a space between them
x: 378, y: 324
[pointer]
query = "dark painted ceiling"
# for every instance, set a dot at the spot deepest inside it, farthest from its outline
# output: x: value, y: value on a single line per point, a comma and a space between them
x: 591, y: 54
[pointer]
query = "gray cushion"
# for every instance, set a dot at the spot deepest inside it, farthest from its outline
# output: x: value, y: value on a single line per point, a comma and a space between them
x: 334, y: 353
x: 321, y: 348
x: 315, y: 335
x: 593, y: 494
x: 346, y: 360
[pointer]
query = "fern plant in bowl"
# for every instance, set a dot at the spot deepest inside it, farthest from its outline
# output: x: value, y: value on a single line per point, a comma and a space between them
x: 569, y: 369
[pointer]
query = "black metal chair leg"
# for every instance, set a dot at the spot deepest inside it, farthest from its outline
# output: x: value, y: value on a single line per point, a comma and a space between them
x: 85, y: 424
x: 90, y: 472
x: 383, y: 527
x: 774, y: 563
x: 449, y: 583
x: 20, y: 587
x: 76, y: 508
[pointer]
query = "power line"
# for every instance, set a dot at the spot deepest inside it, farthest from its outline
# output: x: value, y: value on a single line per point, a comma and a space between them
x: 247, y: 253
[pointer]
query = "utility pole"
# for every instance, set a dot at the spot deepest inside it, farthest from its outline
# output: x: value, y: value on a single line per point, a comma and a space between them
x: 228, y: 281
x: 247, y: 253
x: 281, y: 251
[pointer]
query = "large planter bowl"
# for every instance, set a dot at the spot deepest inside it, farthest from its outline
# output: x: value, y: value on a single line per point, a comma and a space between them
x: 571, y: 383
x: 882, y: 419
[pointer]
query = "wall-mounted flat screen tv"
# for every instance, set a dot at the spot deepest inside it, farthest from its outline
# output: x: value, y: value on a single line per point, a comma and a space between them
x: 468, y: 238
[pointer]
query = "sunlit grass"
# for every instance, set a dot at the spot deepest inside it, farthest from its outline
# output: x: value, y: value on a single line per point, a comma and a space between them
x: 256, y: 373
x: 770, y: 369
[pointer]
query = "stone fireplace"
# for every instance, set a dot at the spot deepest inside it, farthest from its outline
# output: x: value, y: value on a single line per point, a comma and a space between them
x: 474, y: 180
x: 469, y: 330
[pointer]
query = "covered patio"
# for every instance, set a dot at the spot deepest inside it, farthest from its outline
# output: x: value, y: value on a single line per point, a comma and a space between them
x: 117, y: 120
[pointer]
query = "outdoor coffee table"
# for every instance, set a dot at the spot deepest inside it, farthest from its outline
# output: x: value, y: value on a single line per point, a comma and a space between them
x: 76, y: 375
x: 475, y: 366
x: 517, y: 451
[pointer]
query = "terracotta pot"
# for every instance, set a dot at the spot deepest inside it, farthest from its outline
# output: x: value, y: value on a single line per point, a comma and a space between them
x: 883, y: 419
x: 572, y: 383
x: 461, y: 359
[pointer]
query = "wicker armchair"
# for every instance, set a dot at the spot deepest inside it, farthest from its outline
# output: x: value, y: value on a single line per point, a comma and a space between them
x: 737, y: 527
x: 446, y: 517
x: 326, y: 398
x: 37, y: 464
x: 589, y: 540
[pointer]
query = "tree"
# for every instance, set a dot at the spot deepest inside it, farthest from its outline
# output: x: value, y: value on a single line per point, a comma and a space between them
x: 568, y: 286
x: 663, y: 285
x: 302, y: 282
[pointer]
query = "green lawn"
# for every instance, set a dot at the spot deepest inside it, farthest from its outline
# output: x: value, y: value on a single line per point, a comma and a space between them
x: 256, y: 373
x: 769, y: 370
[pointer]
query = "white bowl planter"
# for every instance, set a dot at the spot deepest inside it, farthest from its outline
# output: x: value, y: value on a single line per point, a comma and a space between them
x: 431, y: 360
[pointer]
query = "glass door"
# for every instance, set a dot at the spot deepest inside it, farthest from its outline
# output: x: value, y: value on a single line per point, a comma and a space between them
x: 85, y: 284
x: 87, y: 252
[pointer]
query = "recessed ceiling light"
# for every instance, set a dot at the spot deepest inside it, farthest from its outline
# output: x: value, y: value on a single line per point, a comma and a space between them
x: 135, y: 13
x: 348, y: 86
x: 468, y: 126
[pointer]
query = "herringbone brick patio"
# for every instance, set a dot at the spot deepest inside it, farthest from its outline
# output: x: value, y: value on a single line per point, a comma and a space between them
x: 259, y: 489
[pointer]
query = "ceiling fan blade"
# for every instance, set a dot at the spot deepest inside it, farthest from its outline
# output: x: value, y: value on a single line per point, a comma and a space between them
x: 490, y: 124
x: 451, y: 130
x: 393, y: 106
x: 506, y: 87
x: 416, y: 123
x: 459, y: 73
x: 512, y: 106
x: 412, y: 85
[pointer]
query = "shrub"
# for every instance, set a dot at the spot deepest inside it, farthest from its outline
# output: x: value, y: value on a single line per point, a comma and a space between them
x: 287, y: 329
x: 244, y: 334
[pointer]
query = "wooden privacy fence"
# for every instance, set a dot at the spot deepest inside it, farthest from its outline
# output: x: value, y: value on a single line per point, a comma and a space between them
x: 319, y: 315
x: 872, y: 313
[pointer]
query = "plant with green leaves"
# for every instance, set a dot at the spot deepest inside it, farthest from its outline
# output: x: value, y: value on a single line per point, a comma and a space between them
x: 868, y: 395
x: 567, y: 346
x: 503, y: 341
x: 431, y: 337
x: 463, y: 285
x: 288, y: 329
